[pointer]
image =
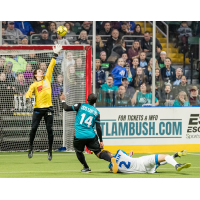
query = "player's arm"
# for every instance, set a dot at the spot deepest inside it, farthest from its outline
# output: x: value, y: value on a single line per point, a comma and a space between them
x: 99, y: 131
x: 69, y: 108
x: 28, y: 95
x: 56, y: 51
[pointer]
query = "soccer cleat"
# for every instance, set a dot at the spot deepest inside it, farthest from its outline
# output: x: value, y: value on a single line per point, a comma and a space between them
x: 86, y: 170
x: 49, y: 155
x: 179, y: 154
x: 179, y: 167
x: 30, y: 153
x: 114, y: 165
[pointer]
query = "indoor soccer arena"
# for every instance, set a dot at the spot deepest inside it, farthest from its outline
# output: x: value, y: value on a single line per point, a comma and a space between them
x: 99, y: 99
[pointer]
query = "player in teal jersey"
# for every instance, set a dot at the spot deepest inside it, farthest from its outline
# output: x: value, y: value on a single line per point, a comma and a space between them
x: 86, y: 118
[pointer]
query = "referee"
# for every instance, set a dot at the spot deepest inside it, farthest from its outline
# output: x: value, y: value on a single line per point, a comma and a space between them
x: 43, y: 105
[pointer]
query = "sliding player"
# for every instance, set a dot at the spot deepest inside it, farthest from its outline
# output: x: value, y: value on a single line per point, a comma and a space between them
x: 87, y: 116
x: 145, y: 164
x: 43, y: 105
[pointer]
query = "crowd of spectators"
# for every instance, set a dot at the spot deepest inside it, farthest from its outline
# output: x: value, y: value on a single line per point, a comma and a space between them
x: 123, y: 74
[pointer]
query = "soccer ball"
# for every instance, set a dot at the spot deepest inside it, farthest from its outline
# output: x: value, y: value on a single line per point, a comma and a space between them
x: 61, y: 30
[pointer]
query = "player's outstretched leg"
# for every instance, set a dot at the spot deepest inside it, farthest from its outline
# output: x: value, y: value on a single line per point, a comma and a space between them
x: 170, y: 160
x: 177, y: 154
x: 82, y: 160
x: 106, y: 155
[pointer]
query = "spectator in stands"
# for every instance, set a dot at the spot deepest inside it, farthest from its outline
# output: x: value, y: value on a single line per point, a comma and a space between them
x: 24, y: 41
x: 86, y: 26
x: 143, y: 96
x: 33, y: 59
x: 99, y: 46
x: 117, y: 51
x: 182, y: 86
x: 146, y: 44
x: 124, y: 30
x: 109, y: 91
x: 137, y: 30
x: 157, y: 92
x: 13, y: 33
x: 104, y: 64
x: 4, y: 24
x: 119, y: 72
x: 133, y: 69
x: 167, y: 94
x: 161, y: 60
x: 79, y: 71
x: 57, y: 87
x: 135, y: 50
x: 18, y: 63
x: 158, y: 79
x: 129, y: 74
x: 44, y: 39
x: 121, y: 99
x: 112, y: 40
x: 10, y: 74
x: 24, y: 27
x: 106, y: 30
x: 168, y: 73
x: 194, y: 98
x: 70, y: 35
x: 125, y: 57
x: 28, y: 74
x: 100, y: 74
x: 2, y: 62
x: 150, y: 66
x: 130, y: 91
x: 61, y: 40
x: 181, y: 100
x: 52, y: 30
x: 4, y: 93
x: 83, y: 38
x: 41, y: 25
x: 179, y: 74
x: 20, y: 85
x: 130, y: 25
x: 139, y: 78
x: 184, y: 32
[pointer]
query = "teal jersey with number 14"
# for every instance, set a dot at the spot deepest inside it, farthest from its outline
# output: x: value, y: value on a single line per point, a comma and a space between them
x: 86, y: 118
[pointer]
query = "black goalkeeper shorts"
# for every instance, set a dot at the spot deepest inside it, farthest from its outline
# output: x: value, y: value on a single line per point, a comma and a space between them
x: 92, y: 144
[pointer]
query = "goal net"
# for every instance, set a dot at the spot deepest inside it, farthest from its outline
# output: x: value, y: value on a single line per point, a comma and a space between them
x: 71, y: 76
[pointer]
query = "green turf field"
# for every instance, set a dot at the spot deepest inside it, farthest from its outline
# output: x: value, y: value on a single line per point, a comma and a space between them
x: 66, y: 165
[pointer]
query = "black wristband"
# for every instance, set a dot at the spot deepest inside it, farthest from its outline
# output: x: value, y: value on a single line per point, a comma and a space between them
x: 55, y: 55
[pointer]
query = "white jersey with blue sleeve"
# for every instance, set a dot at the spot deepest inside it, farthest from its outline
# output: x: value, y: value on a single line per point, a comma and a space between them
x: 86, y: 118
x: 127, y: 164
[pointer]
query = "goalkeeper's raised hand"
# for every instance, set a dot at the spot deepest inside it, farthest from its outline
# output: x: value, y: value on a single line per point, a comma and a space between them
x: 57, y: 49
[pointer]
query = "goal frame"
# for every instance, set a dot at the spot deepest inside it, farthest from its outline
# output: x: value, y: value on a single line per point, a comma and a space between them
x: 87, y: 48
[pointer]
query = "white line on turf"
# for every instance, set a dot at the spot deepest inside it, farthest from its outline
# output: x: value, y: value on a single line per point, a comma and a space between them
x: 194, y: 154
x: 71, y: 171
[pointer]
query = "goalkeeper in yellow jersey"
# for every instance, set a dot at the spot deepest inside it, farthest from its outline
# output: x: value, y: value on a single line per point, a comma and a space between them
x: 43, y: 105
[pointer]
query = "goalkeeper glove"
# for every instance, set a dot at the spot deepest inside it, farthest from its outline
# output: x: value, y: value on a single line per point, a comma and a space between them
x: 57, y: 49
x: 28, y: 104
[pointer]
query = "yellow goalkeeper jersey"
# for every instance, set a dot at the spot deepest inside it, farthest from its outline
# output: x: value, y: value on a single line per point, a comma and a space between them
x: 42, y: 89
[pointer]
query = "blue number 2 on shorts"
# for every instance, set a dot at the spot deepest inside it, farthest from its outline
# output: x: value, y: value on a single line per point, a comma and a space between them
x: 126, y: 165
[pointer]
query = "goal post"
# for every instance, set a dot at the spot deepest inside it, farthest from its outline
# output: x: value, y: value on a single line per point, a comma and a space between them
x: 73, y: 65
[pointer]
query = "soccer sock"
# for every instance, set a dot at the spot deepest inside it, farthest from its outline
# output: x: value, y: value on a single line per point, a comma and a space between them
x: 81, y: 158
x: 105, y: 156
x: 165, y: 162
x: 171, y: 160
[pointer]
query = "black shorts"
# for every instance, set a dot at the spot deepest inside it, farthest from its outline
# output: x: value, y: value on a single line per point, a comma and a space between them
x: 92, y: 144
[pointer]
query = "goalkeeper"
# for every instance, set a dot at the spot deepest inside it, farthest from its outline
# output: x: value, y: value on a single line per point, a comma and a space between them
x: 43, y: 105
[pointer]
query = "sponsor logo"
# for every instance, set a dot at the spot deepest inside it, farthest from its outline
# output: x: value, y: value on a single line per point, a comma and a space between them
x: 193, y: 129
x: 39, y: 88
